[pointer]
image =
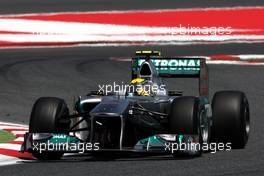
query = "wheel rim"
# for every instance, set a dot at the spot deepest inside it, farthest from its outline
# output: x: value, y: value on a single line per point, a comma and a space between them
x: 247, y: 121
x: 204, y: 128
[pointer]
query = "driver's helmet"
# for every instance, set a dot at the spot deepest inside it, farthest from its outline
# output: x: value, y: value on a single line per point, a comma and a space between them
x: 141, y: 86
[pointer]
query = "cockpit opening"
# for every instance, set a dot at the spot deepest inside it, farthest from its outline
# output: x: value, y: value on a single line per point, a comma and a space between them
x: 145, y: 70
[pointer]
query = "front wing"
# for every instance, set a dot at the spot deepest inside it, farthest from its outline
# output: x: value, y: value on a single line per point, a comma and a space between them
x: 159, y: 144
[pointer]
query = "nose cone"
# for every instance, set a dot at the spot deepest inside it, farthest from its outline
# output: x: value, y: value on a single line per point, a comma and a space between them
x: 110, y: 107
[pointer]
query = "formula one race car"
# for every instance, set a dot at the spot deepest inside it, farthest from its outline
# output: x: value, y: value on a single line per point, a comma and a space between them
x: 143, y: 117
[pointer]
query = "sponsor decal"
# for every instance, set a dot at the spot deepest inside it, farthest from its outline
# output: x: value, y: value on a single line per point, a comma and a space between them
x: 174, y: 65
x: 59, y: 136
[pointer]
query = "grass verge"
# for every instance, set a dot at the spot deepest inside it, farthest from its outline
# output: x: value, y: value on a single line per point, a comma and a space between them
x: 6, y: 136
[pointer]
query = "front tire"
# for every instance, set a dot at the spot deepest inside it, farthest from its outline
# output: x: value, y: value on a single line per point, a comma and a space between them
x: 48, y: 116
x: 185, y: 118
x: 231, y: 118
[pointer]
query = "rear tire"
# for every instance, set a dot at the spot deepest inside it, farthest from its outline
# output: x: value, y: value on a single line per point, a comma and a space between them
x: 185, y: 118
x: 47, y: 116
x: 231, y: 118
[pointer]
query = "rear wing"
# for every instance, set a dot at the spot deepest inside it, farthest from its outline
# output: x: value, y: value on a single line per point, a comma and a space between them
x: 177, y: 67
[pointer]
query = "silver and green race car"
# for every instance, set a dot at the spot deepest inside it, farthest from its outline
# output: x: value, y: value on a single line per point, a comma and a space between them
x: 139, y: 120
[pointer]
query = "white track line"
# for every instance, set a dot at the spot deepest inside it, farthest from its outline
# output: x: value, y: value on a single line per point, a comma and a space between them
x: 19, y: 139
x: 127, y: 38
x: 252, y: 56
x: 234, y: 62
x: 10, y: 146
x: 13, y: 127
x: 13, y: 124
x: 18, y: 132
x: 8, y: 160
x: 50, y: 31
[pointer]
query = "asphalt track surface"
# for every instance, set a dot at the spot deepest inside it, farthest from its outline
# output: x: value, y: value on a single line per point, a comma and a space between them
x: 26, y: 75
x: 37, y: 6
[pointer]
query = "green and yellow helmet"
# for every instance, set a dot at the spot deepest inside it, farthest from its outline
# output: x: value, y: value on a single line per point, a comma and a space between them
x: 139, y: 81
